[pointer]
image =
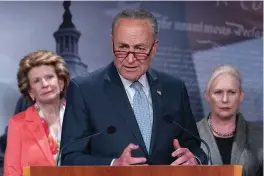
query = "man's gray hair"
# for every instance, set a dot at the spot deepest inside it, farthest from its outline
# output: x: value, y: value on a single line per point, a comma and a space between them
x: 140, y: 14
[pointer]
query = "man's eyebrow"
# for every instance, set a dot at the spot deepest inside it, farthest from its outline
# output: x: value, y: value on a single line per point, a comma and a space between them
x: 122, y: 43
x: 140, y: 45
x: 137, y: 45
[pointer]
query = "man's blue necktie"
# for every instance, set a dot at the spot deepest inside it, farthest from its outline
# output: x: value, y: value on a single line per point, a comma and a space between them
x: 142, y: 112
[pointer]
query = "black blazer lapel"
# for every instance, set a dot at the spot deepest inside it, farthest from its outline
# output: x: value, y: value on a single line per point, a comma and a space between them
x: 207, y: 135
x: 156, y: 96
x: 117, y: 94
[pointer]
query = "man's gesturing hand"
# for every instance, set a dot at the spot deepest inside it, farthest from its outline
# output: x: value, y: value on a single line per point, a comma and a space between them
x: 126, y: 159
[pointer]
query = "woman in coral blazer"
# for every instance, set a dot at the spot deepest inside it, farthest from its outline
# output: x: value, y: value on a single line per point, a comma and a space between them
x: 33, y: 137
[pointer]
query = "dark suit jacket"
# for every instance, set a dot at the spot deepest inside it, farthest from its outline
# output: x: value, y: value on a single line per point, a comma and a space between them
x: 22, y: 105
x: 247, y: 149
x: 1, y: 163
x: 99, y: 100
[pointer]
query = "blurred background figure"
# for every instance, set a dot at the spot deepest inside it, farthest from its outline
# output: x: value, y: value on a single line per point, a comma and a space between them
x: 231, y: 138
x: 34, y: 134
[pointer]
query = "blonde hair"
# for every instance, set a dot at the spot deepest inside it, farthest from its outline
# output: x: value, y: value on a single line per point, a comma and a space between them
x: 38, y: 58
x: 224, y: 69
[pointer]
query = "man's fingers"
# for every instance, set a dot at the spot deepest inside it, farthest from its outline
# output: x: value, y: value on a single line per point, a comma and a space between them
x: 137, y: 160
x: 186, y: 158
x: 130, y: 147
x: 176, y: 144
x: 126, y: 158
x: 180, y: 160
x: 179, y: 152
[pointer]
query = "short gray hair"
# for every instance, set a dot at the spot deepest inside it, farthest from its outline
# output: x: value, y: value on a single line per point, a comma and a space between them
x: 139, y: 14
x: 224, y: 69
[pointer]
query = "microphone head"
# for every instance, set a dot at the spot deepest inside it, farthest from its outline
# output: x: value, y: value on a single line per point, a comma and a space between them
x: 168, y: 118
x: 111, y: 130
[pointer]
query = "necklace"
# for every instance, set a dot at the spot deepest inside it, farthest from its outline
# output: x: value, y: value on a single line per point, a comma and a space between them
x: 218, y: 133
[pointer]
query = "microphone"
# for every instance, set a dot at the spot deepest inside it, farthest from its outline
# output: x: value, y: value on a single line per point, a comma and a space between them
x: 169, y: 119
x: 108, y: 130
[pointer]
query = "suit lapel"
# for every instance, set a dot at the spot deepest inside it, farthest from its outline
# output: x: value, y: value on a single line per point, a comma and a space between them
x: 240, y: 140
x: 116, y: 92
x: 207, y: 135
x: 156, y: 96
x: 37, y: 131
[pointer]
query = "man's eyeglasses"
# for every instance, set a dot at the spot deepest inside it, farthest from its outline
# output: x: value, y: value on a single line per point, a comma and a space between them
x: 137, y: 55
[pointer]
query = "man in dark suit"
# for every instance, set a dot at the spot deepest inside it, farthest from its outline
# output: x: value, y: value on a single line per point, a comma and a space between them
x: 132, y: 97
